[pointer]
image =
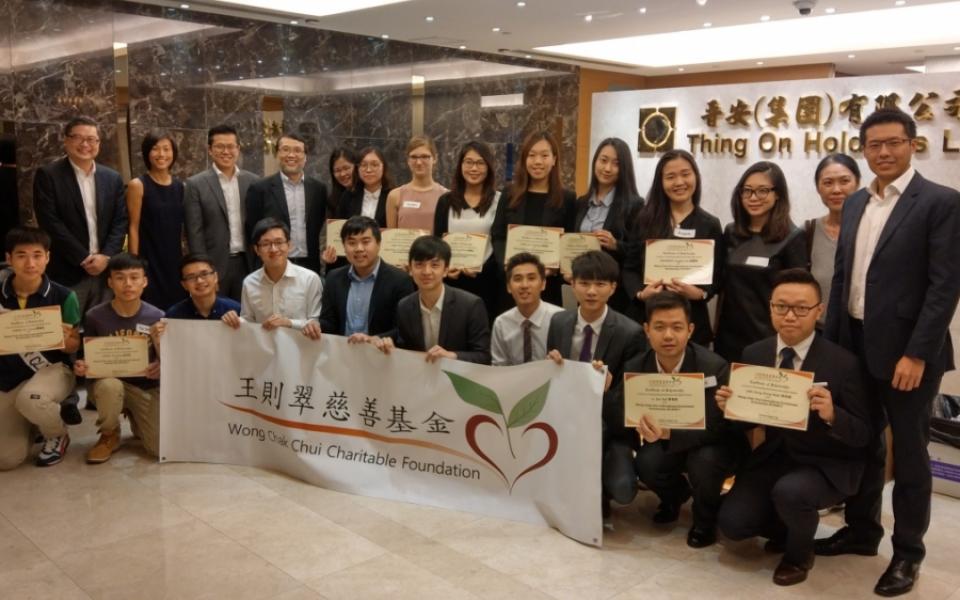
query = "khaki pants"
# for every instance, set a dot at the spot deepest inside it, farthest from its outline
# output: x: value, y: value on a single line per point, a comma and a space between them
x: 114, y: 397
x: 36, y: 401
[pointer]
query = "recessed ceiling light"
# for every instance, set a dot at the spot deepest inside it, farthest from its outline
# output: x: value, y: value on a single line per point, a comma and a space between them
x: 184, y: 6
x: 917, y: 68
x: 385, y: 36
x: 463, y: 47
x: 642, y: 10
x: 294, y: 22
x: 708, y: 24
x: 759, y: 62
x: 429, y: 19
x: 259, y: 61
x: 851, y: 56
x: 521, y: 4
x: 588, y: 18
x: 527, y: 56
x: 495, y: 30
x: 681, y: 69
x: 702, y: 2
x: 956, y: 47
x: 830, y: 11
x: 765, y: 18
x: 900, y: 2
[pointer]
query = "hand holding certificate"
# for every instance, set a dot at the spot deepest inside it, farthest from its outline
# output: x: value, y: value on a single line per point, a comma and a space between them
x: 573, y: 245
x: 333, y: 235
x: 690, y: 261
x: 31, y: 330
x: 674, y: 400
x: 544, y: 242
x: 116, y: 356
x: 768, y: 396
x: 395, y: 244
x: 467, y: 249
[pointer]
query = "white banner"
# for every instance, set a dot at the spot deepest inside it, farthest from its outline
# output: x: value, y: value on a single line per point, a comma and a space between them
x: 519, y: 443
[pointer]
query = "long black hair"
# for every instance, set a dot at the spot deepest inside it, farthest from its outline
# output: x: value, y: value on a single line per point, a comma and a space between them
x: 655, y: 220
x: 457, y: 200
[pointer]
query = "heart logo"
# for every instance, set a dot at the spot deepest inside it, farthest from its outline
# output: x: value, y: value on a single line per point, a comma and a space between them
x: 552, y: 443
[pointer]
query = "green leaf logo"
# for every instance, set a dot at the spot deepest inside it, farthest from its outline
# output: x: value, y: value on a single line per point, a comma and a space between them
x: 480, y: 396
x: 529, y: 407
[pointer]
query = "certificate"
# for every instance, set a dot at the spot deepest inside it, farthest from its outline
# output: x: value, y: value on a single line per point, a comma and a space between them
x: 395, y: 244
x: 769, y: 396
x: 468, y: 250
x: 690, y: 261
x: 116, y: 356
x: 573, y: 245
x: 674, y: 400
x: 544, y: 242
x: 31, y: 330
x: 333, y: 235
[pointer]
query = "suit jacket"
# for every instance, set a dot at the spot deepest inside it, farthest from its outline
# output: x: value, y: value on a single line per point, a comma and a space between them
x: 838, y: 451
x: 913, y: 281
x: 561, y: 216
x: 391, y: 286
x: 205, y: 216
x: 267, y: 198
x: 351, y: 205
x: 59, y: 208
x: 620, y: 340
x: 464, y: 326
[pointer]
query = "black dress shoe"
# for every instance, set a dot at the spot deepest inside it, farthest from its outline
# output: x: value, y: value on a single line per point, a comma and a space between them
x: 844, y: 542
x: 701, y: 537
x: 788, y: 573
x: 668, y: 513
x: 898, y: 578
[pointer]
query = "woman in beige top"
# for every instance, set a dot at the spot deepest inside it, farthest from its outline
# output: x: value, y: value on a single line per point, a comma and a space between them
x: 412, y: 205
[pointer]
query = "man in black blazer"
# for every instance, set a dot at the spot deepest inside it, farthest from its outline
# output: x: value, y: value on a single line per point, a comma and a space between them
x: 213, y: 211
x: 442, y: 321
x: 895, y: 289
x: 707, y: 456
x: 360, y: 299
x: 793, y: 474
x: 294, y: 198
x: 81, y: 204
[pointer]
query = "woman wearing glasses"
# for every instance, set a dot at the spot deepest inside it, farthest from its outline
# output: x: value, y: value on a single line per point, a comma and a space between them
x: 413, y: 204
x: 471, y: 207
x: 760, y: 242
x: 370, y: 200
x: 155, y: 209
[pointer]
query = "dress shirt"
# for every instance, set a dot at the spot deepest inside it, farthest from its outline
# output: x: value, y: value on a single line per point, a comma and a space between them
x: 676, y: 369
x: 370, y: 201
x: 801, y: 349
x: 297, y: 207
x: 88, y: 192
x: 576, y: 344
x: 295, y: 296
x: 358, y: 300
x: 597, y: 212
x: 875, y: 216
x: 431, y: 321
x: 470, y: 221
x: 231, y: 195
x: 506, y: 344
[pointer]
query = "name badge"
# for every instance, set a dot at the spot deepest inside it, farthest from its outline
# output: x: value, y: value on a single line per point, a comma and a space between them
x: 411, y: 204
x: 35, y: 361
x: 144, y: 329
x: 684, y: 233
x: 758, y: 261
x: 709, y: 382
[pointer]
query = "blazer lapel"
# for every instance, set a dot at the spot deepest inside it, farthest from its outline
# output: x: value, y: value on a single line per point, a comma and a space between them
x: 582, y: 213
x: 213, y: 182
x: 76, y: 201
x: 280, y: 196
x: 607, y: 332
x: 566, y: 339
x: 906, y: 202
x: 375, y: 293
x: 449, y: 299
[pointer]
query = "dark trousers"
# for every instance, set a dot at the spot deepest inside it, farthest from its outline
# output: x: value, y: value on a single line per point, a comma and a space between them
x: 231, y: 281
x: 706, y: 467
x: 778, y: 498
x: 617, y: 472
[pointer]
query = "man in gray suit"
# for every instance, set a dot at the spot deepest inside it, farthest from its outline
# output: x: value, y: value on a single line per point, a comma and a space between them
x: 214, y: 210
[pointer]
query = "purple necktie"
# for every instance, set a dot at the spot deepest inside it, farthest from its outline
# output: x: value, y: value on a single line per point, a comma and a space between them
x: 586, y: 355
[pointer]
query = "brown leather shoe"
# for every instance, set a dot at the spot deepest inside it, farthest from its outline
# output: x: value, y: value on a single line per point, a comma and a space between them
x: 791, y: 574
x: 104, y: 448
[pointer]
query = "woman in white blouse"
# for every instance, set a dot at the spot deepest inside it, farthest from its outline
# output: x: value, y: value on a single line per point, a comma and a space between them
x: 370, y: 199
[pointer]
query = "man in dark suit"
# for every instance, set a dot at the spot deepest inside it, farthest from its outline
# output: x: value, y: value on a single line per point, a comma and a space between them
x: 80, y: 203
x: 213, y: 211
x: 707, y: 456
x: 360, y: 300
x: 895, y: 289
x: 442, y: 321
x: 597, y: 334
x: 793, y: 474
x: 293, y: 197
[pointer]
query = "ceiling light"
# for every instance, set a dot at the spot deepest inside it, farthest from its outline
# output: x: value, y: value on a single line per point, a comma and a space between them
x: 495, y: 30
x: 294, y: 22
x: 956, y: 47
x: 900, y: 2
x: 759, y: 62
x: 527, y: 56
x: 765, y: 18
x: 429, y: 19
x: 642, y: 10
x: 521, y: 4
x: 912, y: 26
x: 681, y: 69
x: 851, y: 56
x: 917, y: 68
x: 463, y: 47
x: 385, y: 36
x: 708, y: 24
x: 588, y: 18
x: 702, y: 2
x: 313, y: 8
x: 830, y: 11
x: 184, y: 6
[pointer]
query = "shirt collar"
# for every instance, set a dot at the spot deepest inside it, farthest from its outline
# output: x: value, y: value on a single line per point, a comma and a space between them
x: 287, y: 181
x: 221, y: 175
x: 899, y: 184
x: 607, y: 199
x: 801, y: 348
x: 43, y: 290
x: 676, y: 369
x: 595, y: 325
x: 80, y: 172
x: 374, y: 193
x: 436, y: 307
x: 352, y: 273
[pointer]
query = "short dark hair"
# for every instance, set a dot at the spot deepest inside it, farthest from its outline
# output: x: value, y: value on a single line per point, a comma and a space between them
x: 124, y: 261
x: 526, y: 258
x: 357, y: 224
x: 429, y: 247
x: 222, y: 129
x: 796, y: 275
x: 25, y: 235
x: 194, y: 258
x: 888, y: 115
x: 837, y: 159
x: 266, y: 224
x: 77, y: 121
x: 667, y: 300
x: 153, y: 138
x: 295, y: 137
x: 595, y: 265
x: 778, y: 225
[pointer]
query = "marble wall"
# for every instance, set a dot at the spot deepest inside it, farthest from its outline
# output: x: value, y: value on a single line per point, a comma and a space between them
x: 186, y: 71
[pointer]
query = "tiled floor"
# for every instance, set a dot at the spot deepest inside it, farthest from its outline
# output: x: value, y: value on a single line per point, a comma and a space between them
x: 132, y: 529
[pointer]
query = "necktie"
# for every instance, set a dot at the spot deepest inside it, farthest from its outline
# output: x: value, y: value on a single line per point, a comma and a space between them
x: 787, y: 358
x: 586, y: 355
x: 527, y: 341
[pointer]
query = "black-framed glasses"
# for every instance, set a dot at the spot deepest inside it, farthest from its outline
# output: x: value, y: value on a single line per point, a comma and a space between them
x: 761, y: 193
x: 198, y: 276
x: 798, y: 309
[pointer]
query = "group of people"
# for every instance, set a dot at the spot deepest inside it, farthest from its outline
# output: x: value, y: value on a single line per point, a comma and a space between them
x: 861, y: 297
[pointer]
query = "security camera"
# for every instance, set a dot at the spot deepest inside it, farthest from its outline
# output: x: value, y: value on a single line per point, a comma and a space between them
x: 805, y: 7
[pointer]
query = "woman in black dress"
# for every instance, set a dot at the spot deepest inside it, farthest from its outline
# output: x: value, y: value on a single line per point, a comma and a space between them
x: 370, y: 197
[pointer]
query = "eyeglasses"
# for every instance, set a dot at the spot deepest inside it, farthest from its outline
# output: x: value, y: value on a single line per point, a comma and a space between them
x: 798, y: 310
x: 371, y: 166
x: 420, y: 157
x: 480, y: 164
x: 893, y: 144
x: 89, y: 140
x: 279, y: 245
x: 198, y: 276
x: 289, y: 150
x: 760, y: 193
x: 225, y: 147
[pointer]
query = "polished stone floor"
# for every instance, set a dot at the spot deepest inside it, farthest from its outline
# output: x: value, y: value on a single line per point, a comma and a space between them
x: 133, y: 529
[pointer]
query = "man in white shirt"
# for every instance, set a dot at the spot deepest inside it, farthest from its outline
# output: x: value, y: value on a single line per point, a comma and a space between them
x: 520, y: 334
x: 279, y: 294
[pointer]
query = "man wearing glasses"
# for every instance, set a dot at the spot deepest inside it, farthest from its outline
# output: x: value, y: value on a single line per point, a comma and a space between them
x: 895, y: 289
x: 81, y: 204
x: 213, y: 205
x: 280, y: 293
x: 199, y: 278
